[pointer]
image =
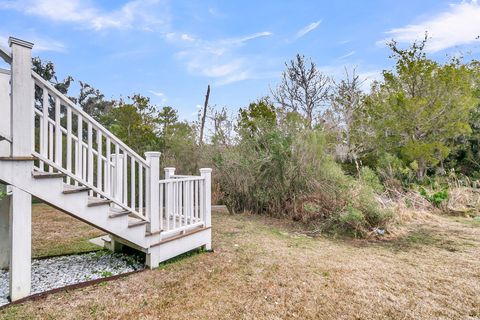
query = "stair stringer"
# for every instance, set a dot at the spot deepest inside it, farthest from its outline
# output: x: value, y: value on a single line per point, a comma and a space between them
x: 19, y: 174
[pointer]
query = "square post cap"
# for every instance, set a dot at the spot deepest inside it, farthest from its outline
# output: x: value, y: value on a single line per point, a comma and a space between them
x: 20, y: 42
x: 152, y: 154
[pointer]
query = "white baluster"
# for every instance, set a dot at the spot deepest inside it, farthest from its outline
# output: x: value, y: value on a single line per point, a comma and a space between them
x: 45, y: 124
x: 69, y: 142
x: 50, y: 144
x: 90, y: 153
x: 169, y: 172
x: 79, y: 156
x: 125, y: 178
x: 140, y: 188
x: 58, y: 133
x: 99, y: 160
x: 132, y: 184
x: 108, y: 168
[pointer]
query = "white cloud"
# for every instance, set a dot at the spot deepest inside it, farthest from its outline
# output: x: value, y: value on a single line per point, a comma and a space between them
x: 39, y: 43
x: 156, y: 93
x: 351, y: 53
x: 133, y: 14
x: 218, y: 59
x: 159, y: 95
x: 312, y: 26
x: 460, y: 25
x: 186, y: 37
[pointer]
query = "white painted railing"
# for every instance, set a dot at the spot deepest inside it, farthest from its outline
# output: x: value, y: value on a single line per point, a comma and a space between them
x: 68, y: 140
x: 43, y: 122
x: 184, y: 201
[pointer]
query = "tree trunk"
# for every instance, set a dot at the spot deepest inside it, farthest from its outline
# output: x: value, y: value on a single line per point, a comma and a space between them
x: 202, y: 126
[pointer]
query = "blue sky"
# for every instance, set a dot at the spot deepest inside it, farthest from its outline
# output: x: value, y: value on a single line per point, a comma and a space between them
x: 171, y: 50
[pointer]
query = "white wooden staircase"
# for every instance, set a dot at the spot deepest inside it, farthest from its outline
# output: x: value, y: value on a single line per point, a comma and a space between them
x: 54, y: 151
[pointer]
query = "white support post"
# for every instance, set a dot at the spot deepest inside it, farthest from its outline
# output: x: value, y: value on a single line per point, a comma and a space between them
x: 22, y: 117
x: 206, y: 173
x: 21, y: 244
x: 153, y: 191
x: 5, y: 232
x: 117, y: 177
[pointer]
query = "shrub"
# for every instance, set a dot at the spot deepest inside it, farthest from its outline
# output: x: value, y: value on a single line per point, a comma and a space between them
x: 435, y: 198
x: 284, y: 170
x: 370, y: 178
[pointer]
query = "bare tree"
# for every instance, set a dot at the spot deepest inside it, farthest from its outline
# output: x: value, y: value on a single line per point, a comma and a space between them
x: 223, y: 126
x: 303, y: 88
x: 345, y: 102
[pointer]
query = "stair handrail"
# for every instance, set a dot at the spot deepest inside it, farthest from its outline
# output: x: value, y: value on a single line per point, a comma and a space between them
x: 89, y: 118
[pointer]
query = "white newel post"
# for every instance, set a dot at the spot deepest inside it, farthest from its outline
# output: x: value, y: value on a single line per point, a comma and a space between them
x: 22, y: 121
x: 206, y: 173
x: 117, y: 177
x: 153, y: 191
x: 22, y: 126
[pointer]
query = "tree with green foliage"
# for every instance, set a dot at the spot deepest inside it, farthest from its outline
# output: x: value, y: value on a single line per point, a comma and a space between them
x: 135, y: 123
x: 93, y: 101
x: 46, y: 69
x: 421, y: 107
x: 258, y: 115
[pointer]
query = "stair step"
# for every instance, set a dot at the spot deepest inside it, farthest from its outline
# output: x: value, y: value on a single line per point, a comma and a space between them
x: 48, y: 175
x: 18, y: 158
x: 93, y: 202
x: 118, y: 213
x: 69, y: 189
x: 136, y: 222
x: 179, y: 236
x: 149, y: 234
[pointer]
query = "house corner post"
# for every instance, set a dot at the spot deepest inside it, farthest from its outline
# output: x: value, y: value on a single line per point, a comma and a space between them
x: 20, y: 244
x: 22, y: 144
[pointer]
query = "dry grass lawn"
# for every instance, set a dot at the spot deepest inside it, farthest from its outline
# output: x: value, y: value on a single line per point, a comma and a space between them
x: 263, y: 269
x: 55, y: 233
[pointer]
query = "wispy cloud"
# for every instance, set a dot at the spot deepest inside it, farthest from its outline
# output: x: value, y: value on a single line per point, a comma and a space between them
x: 351, y: 53
x: 40, y: 43
x: 307, y: 29
x: 159, y: 95
x: 457, y: 26
x: 143, y: 15
x: 218, y: 59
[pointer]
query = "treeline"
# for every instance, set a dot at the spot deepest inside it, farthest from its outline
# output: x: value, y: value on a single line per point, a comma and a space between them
x: 317, y: 149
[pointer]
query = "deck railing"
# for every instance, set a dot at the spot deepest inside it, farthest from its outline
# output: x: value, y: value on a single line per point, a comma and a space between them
x: 183, y: 201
